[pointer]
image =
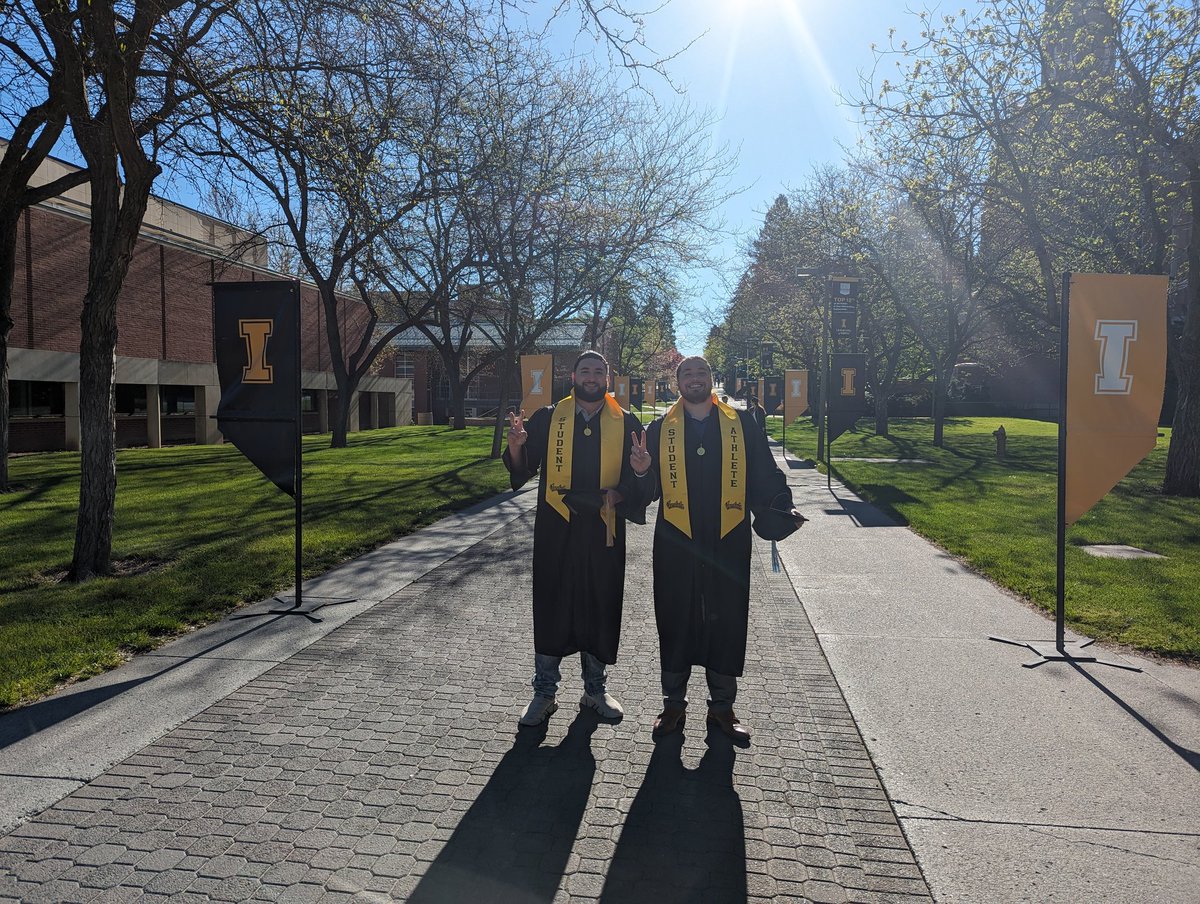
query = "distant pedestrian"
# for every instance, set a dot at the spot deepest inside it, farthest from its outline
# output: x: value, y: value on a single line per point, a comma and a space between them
x: 593, y: 460
x: 757, y: 414
x: 712, y: 468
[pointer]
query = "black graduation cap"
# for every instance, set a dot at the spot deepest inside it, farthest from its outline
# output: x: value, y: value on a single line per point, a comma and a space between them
x: 584, y: 500
x: 775, y: 522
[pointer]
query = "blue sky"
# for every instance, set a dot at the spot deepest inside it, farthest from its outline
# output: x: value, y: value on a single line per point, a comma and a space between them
x: 771, y: 69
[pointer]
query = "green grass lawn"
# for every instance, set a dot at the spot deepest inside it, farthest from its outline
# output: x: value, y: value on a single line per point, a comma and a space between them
x: 201, y: 531
x: 999, y: 517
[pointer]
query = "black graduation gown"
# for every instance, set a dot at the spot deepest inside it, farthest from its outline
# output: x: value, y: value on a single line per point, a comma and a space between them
x: 578, y: 581
x: 702, y: 583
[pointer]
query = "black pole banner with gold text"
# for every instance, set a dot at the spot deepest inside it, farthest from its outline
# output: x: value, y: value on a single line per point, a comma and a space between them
x: 772, y: 394
x: 636, y: 390
x: 847, y: 398
x: 256, y: 341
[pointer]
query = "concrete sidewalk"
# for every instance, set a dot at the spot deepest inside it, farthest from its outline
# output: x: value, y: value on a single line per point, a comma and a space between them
x: 374, y: 755
x: 1063, y: 782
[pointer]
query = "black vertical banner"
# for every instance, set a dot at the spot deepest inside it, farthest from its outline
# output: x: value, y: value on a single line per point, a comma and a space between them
x: 847, y: 399
x: 661, y: 388
x: 256, y: 337
x: 844, y: 326
x: 637, y: 393
x: 773, y: 394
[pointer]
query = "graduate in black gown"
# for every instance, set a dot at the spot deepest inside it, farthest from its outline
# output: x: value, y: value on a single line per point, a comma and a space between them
x: 590, y: 453
x: 712, y: 468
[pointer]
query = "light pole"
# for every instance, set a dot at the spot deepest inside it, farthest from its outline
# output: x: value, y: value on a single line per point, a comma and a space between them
x: 823, y: 376
x: 823, y: 400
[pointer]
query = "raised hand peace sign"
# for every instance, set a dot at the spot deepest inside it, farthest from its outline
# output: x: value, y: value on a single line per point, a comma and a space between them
x: 639, y: 458
x: 516, y: 430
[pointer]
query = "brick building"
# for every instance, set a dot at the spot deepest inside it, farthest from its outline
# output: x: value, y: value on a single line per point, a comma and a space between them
x: 416, y: 358
x: 167, y: 388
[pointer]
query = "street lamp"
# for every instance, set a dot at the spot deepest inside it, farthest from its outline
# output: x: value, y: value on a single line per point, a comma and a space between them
x: 840, y: 287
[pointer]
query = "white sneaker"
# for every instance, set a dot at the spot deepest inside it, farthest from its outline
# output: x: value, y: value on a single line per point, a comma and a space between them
x: 539, y: 710
x: 605, y: 704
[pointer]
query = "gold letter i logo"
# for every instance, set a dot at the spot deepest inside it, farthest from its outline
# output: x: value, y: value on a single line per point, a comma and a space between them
x: 256, y: 333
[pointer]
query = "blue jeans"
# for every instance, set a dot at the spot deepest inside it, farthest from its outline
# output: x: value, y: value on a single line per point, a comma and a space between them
x: 546, y: 675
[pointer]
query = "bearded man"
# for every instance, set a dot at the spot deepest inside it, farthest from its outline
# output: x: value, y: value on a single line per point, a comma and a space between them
x: 712, y: 468
x: 593, y: 460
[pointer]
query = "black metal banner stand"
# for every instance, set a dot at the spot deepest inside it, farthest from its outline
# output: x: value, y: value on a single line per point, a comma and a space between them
x: 828, y: 461
x: 298, y: 600
x: 297, y: 420
x: 1062, y: 650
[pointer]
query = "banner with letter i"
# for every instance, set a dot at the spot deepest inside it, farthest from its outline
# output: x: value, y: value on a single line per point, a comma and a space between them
x: 256, y: 344
x: 636, y: 388
x: 537, y: 382
x: 847, y: 398
x: 1117, y: 349
x: 795, y: 398
x: 1112, y: 374
x: 772, y: 396
x: 621, y: 391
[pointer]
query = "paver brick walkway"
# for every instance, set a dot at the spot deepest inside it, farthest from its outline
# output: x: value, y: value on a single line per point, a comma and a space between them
x: 383, y: 762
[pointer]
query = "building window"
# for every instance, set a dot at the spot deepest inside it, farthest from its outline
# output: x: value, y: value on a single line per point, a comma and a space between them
x: 405, y: 364
x: 131, y: 399
x: 308, y: 400
x: 32, y: 398
x: 177, y: 399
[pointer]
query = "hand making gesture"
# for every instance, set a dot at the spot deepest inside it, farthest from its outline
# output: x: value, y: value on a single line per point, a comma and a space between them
x: 516, y: 430
x: 639, y: 458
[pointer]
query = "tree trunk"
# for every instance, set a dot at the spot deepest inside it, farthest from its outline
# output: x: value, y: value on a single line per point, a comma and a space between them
x: 9, y: 221
x: 116, y: 218
x: 98, y: 436
x: 458, y: 402
x: 1183, y: 456
x: 881, y: 416
x: 501, y: 410
x: 940, y: 390
x: 347, y: 385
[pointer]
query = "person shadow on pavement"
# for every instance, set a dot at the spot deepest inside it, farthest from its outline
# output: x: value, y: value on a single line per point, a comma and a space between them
x: 684, y: 839
x: 512, y: 845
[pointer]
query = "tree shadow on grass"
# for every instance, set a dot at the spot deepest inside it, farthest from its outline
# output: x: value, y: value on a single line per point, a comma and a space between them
x: 685, y: 838
x: 905, y: 448
x: 514, y: 842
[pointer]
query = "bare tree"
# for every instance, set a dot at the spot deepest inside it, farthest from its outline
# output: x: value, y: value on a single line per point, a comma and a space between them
x: 33, y: 109
x: 124, y: 84
x: 324, y: 127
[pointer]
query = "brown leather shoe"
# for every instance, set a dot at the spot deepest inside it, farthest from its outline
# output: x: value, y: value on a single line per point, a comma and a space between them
x: 669, y: 720
x: 728, y: 723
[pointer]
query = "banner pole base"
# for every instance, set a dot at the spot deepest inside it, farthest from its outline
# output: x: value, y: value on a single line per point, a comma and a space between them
x: 294, y: 607
x: 1048, y: 651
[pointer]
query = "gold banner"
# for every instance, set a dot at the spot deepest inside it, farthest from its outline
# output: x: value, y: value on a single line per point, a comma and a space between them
x: 795, y: 394
x: 649, y: 391
x: 537, y: 382
x: 1116, y: 373
x: 621, y: 391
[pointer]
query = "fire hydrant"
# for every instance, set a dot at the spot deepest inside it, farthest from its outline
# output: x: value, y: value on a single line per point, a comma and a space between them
x: 1001, y: 442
